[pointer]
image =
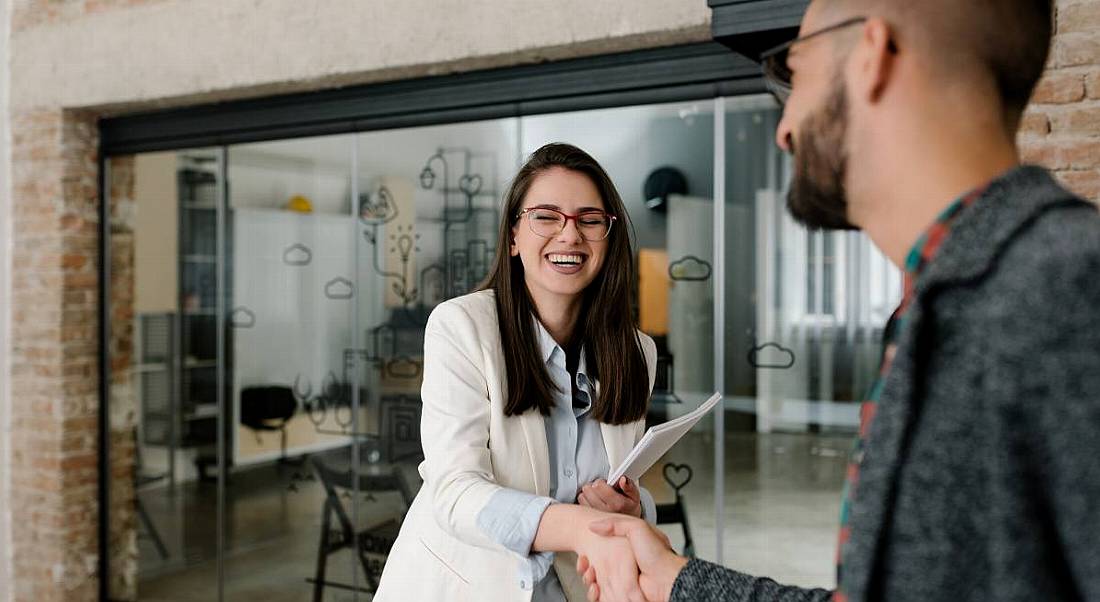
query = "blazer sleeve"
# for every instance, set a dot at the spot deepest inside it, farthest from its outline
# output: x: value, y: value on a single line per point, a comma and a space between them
x: 457, y: 468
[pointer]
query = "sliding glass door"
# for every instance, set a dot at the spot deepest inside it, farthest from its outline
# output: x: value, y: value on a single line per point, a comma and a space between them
x: 268, y: 307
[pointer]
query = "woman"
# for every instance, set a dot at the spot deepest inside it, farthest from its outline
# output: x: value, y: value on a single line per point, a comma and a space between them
x: 534, y: 388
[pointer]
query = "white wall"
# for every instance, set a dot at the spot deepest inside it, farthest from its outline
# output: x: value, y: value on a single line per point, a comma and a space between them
x: 180, y: 51
x: 156, y: 233
x: 5, y: 305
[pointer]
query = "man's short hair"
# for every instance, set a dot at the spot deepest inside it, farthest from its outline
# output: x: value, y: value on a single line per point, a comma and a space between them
x: 1008, y: 40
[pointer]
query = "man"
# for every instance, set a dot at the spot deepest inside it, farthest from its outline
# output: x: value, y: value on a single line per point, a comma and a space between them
x: 976, y: 473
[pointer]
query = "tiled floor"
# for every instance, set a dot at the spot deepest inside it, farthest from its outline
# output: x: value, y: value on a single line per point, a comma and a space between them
x: 782, y: 494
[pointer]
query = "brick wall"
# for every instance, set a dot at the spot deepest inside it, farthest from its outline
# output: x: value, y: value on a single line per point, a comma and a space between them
x: 55, y: 362
x: 54, y: 356
x: 1061, y: 129
x: 123, y: 418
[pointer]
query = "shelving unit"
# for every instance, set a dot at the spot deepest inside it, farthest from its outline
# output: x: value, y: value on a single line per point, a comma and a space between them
x: 197, y: 180
x: 197, y: 317
x: 156, y: 377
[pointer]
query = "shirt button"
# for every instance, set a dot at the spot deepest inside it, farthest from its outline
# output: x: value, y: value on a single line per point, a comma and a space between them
x: 523, y: 584
x: 568, y: 472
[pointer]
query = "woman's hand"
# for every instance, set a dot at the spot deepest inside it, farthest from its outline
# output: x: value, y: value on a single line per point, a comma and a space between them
x: 609, y: 568
x: 658, y: 565
x: 601, y: 496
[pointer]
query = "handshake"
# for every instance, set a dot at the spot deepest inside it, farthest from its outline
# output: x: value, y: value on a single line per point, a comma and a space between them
x: 627, y: 559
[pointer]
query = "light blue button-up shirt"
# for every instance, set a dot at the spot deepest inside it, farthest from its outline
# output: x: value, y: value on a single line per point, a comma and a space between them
x: 577, y: 456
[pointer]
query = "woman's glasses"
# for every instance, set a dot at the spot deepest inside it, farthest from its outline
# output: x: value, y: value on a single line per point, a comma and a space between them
x: 594, y: 225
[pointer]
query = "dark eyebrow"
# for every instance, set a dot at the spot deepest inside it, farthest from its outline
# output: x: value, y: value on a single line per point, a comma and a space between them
x: 557, y: 208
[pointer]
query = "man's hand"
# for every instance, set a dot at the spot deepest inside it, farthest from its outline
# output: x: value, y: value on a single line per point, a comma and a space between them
x: 600, y: 495
x: 657, y: 563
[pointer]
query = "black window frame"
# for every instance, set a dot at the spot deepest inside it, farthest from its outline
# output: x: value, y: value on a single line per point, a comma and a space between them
x: 669, y: 74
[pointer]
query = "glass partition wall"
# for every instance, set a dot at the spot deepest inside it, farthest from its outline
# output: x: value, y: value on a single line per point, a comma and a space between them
x: 268, y: 306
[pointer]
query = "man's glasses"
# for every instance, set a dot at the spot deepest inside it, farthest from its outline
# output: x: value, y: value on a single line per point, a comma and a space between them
x: 777, y: 75
x: 593, y: 225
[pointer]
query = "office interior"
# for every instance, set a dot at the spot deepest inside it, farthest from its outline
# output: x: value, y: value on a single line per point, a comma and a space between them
x: 270, y: 341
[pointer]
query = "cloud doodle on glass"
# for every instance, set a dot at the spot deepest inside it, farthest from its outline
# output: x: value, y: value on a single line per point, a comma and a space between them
x: 297, y: 254
x: 242, y: 317
x: 339, y: 288
x: 780, y: 359
x: 403, y: 367
x: 689, y: 269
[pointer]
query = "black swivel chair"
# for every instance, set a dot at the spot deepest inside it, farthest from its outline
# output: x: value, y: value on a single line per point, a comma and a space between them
x: 268, y: 408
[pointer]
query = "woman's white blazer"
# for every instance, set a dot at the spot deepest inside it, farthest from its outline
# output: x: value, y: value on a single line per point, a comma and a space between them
x: 471, y: 450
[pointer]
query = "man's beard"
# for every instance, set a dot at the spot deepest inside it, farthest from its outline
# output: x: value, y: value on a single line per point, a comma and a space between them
x: 817, y: 199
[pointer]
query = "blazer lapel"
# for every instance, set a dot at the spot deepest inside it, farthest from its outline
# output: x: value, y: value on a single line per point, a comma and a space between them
x: 617, y: 442
x: 534, y: 430
x: 530, y: 422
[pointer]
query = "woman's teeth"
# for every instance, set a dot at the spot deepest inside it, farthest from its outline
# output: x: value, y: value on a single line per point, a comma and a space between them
x: 565, y: 259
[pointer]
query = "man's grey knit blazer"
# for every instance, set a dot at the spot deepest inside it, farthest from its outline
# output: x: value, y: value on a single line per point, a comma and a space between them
x: 981, y: 477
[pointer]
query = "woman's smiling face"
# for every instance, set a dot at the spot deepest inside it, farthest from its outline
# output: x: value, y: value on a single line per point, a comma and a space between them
x: 564, y: 264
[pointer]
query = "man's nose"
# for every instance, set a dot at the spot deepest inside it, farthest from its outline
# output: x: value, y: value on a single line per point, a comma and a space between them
x: 784, y: 135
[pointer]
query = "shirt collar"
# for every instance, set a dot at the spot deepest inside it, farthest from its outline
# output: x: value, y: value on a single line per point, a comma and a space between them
x: 924, y: 249
x: 548, y: 347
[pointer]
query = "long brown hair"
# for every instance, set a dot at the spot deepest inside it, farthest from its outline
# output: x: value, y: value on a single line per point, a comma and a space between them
x: 606, y: 325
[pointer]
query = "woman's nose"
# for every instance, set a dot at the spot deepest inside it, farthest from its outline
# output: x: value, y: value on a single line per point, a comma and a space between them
x: 570, y: 232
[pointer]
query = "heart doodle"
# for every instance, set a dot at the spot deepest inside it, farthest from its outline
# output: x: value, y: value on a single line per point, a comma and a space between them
x: 470, y: 185
x: 678, y: 475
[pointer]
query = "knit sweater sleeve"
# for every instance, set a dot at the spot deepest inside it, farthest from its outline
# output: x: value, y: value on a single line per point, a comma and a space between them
x: 702, y: 581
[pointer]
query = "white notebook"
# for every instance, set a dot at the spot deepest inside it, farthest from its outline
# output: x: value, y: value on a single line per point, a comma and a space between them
x: 658, y: 440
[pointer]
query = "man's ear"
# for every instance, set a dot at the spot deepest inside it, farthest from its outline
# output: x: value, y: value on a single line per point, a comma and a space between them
x: 875, y: 56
